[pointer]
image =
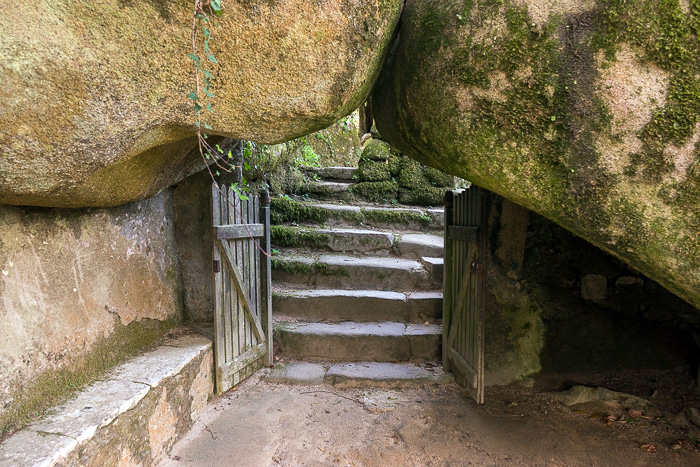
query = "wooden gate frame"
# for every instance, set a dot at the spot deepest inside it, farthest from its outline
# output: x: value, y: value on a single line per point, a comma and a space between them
x: 467, y: 259
x: 229, y: 368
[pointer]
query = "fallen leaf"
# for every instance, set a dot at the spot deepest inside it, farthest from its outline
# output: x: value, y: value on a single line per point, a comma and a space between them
x: 650, y: 448
x: 676, y: 447
x: 611, y: 418
x: 634, y: 413
x: 427, y: 323
x: 581, y: 412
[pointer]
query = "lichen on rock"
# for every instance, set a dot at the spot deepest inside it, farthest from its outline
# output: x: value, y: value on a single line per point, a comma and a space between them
x: 585, y: 112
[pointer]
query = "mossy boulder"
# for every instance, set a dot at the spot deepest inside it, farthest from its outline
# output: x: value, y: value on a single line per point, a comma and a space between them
x: 439, y: 178
x: 377, y: 192
x: 422, y: 196
x: 94, y: 95
x: 376, y: 150
x: 585, y: 112
x: 373, y: 171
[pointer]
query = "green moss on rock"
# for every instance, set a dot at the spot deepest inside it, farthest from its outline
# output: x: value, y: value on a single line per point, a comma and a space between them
x: 376, y: 150
x: 373, y: 171
x: 422, y: 196
x: 439, y: 178
x: 377, y: 192
x: 286, y: 236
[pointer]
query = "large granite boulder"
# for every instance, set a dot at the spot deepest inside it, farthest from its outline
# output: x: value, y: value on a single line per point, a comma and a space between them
x: 587, y: 112
x: 93, y: 96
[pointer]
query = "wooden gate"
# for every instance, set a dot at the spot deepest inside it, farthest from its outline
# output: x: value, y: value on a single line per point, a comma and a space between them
x: 463, y: 291
x: 242, y: 294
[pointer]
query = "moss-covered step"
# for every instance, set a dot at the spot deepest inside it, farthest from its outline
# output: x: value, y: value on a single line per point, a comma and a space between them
x: 321, y: 189
x: 285, y: 210
x: 338, y: 239
x: 348, y: 272
x: 333, y: 173
x: 336, y: 305
x: 352, y: 342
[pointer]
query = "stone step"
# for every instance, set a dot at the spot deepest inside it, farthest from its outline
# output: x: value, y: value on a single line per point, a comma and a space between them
x: 358, y: 241
x: 355, y: 342
x: 329, y: 190
x: 333, y: 305
x: 286, y: 210
x: 412, y: 245
x: 333, y: 173
x: 351, y: 241
x: 348, y: 272
x: 360, y: 374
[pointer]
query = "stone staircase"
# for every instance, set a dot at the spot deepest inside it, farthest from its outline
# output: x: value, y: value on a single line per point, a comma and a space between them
x: 357, y: 297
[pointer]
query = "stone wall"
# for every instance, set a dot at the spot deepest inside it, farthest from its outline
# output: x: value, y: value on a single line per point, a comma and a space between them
x: 79, y: 291
x: 557, y: 304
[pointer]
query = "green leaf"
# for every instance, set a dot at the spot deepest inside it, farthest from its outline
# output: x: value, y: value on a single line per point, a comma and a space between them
x: 246, y: 166
x: 230, y: 156
x: 206, y: 46
x: 211, y: 58
x: 207, y: 92
x: 219, y: 149
x: 217, y: 173
x: 207, y: 74
x: 206, y: 125
x: 197, y: 108
x: 196, y: 124
x: 194, y: 57
x: 209, y: 108
x: 205, y: 31
x: 192, y: 96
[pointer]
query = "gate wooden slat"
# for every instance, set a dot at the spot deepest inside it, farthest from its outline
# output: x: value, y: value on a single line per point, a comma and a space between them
x: 241, y: 280
x: 463, y: 291
x: 238, y: 283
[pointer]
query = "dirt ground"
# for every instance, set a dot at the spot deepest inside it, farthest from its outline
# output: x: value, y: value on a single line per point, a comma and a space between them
x: 265, y: 424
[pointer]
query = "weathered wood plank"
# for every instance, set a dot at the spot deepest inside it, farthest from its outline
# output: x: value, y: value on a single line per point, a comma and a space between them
x: 227, y: 372
x: 266, y: 281
x: 463, y: 233
x: 235, y: 231
x: 464, y: 368
x: 227, y: 255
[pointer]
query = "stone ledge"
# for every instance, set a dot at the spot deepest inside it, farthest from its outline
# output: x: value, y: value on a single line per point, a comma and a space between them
x: 157, y: 396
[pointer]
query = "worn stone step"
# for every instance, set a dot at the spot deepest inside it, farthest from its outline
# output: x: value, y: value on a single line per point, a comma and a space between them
x: 334, y: 305
x: 383, y: 375
x: 329, y: 190
x: 414, y: 245
x: 357, y: 241
x: 353, y: 375
x: 352, y: 342
x: 333, y: 173
x: 286, y: 210
x: 348, y: 272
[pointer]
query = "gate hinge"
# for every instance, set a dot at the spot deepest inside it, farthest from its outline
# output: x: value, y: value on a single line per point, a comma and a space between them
x: 216, y: 267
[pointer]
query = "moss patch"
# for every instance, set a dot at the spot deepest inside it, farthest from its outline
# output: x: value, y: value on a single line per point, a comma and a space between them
x: 285, y: 236
x: 373, y: 171
x: 376, y: 150
x: 378, y: 192
x: 53, y: 387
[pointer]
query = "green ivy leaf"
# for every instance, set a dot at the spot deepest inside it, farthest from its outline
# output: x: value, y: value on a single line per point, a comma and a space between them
x: 207, y: 74
x: 205, y: 31
x: 192, y: 96
x: 209, y: 108
x: 218, y: 148
x: 194, y: 57
x: 206, y: 125
x: 197, y: 108
x: 230, y: 156
x: 211, y: 58
x: 207, y: 92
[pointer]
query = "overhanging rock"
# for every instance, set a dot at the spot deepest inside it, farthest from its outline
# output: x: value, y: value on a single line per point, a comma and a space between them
x: 94, y: 106
x: 585, y: 112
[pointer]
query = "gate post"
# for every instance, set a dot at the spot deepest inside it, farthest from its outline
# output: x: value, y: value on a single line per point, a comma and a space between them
x: 266, y: 276
x: 447, y: 280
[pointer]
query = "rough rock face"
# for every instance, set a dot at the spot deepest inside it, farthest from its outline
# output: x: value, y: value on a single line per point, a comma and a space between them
x: 586, y: 112
x: 94, y: 107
